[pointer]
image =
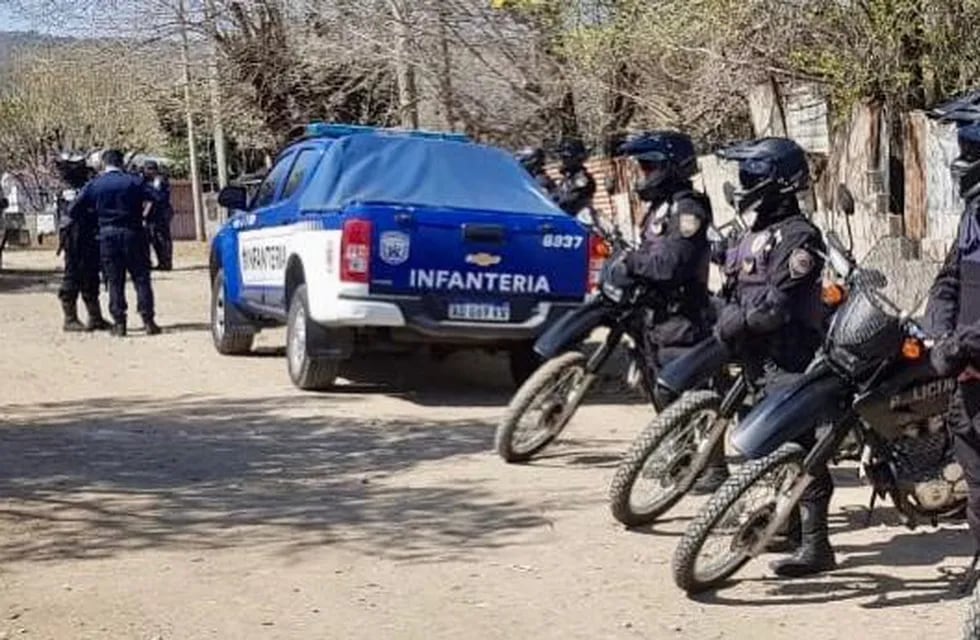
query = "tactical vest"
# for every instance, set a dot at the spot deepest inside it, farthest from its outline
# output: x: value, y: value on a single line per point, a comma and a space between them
x: 969, y: 249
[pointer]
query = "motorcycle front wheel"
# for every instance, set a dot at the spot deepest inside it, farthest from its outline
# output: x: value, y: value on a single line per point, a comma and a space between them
x: 542, y: 407
x: 720, y: 539
x: 662, y: 464
x: 971, y: 625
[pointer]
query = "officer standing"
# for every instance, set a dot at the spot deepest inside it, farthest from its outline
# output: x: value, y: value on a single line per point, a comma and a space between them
x: 674, y: 253
x: 119, y: 201
x: 532, y: 159
x: 774, y: 318
x: 577, y: 186
x: 78, y: 239
x: 161, y: 214
x: 953, y: 311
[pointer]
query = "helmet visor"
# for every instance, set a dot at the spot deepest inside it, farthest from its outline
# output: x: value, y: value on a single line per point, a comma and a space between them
x: 752, y: 173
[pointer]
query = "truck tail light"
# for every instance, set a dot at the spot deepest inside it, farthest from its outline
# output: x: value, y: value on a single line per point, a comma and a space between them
x: 355, y: 251
x: 599, y: 251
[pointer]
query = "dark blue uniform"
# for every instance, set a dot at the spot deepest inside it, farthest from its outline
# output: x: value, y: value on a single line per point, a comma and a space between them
x: 675, y: 256
x: 953, y: 313
x: 158, y: 222
x: 575, y: 190
x: 117, y: 200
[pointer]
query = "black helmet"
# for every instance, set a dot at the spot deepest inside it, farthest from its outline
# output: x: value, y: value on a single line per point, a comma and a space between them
x: 572, y: 154
x: 771, y: 171
x: 965, y: 113
x: 666, y: 158
x: 531, y: 158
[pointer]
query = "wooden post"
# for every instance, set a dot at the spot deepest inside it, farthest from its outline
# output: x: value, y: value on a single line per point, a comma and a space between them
x: 191, y: 141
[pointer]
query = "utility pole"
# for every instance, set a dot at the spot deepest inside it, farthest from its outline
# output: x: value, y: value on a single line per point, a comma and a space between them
x: 218, y: 132
x: 191, y: 141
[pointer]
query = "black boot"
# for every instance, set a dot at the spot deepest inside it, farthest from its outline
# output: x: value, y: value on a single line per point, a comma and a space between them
x: 788, y: 539
x: 710, y: 480
x: 95, y: 320
x: 119, y: 328
x: 815, y: 554
x: 72, y: 323
x: 714, y: 475
x: 152, y: 329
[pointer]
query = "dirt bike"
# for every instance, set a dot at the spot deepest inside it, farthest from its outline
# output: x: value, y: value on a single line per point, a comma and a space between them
x: 666, y: 459
x: 547, y: 401
x: 871, y: 377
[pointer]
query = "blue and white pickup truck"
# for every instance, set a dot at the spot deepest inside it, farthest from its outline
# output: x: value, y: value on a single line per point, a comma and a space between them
x: 359, y: 236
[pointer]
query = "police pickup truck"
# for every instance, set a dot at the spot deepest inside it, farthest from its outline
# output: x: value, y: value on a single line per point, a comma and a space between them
x: 360, y: 236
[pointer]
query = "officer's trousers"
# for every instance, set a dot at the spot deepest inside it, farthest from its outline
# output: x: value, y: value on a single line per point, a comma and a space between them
x: 126, y: 251
x: 964, y: 427
x: 158, y: 228
x: 81, y: 272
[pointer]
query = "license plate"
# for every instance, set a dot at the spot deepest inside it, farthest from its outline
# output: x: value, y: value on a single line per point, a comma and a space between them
x: 480, y: 312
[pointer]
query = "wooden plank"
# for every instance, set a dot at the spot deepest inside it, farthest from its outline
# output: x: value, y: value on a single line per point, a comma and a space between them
x: 914, y: 129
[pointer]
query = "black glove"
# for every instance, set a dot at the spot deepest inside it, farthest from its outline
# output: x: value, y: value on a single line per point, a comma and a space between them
x: 947, y: 356
x: 619, y: 274
x: 731, y: 323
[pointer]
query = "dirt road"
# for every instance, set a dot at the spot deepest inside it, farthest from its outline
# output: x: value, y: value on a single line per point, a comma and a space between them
x: 150, y: 488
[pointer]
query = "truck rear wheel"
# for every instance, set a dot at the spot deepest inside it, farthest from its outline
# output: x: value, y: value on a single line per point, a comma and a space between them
x: 230, y: 338
x: 307, y: 372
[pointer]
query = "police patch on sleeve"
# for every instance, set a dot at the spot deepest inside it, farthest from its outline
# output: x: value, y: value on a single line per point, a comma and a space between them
x: 689, y: 224
x: 801, y: 262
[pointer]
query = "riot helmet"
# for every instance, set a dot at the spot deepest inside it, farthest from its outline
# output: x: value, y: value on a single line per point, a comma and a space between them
x: 771, y: 171
x: 532, y: 159
x: 572, y: 154
x: 964, y: 112
x: 666, y: 160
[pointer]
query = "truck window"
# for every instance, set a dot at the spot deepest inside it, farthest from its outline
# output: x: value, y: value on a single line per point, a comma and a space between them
x: 305, y: 163
x: 266, y: 193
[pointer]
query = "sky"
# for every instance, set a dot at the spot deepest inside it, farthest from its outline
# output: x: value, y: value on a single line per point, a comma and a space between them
x: 9, y: 21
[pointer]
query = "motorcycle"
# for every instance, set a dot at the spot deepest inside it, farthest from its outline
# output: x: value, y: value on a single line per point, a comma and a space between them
x: 547, y: 401
x: 871, y: 377
x: 666, y: 459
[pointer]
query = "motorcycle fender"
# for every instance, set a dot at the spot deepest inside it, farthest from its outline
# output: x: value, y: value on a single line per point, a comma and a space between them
x: 571, y: 329
x: 788, y: 413
x: 694, y: 368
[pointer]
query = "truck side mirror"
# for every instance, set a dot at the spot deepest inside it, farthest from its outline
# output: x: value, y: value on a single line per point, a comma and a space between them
x: 233, y: 197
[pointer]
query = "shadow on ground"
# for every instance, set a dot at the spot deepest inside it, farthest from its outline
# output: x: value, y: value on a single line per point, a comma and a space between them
x: 103, y: 477
x: 29, y: 281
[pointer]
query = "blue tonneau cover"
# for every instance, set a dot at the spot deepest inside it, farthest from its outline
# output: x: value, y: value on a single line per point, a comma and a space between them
x: 421, y: 172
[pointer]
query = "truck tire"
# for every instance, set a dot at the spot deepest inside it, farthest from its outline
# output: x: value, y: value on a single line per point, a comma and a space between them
x: 230, y: 338
x: 307, y: 372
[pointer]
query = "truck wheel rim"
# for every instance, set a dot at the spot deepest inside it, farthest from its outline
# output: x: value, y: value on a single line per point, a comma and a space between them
x: 219, y: 313
x: 298, y: 343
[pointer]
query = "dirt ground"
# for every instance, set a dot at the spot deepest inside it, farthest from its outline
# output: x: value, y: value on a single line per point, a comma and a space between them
x: 152, y: 489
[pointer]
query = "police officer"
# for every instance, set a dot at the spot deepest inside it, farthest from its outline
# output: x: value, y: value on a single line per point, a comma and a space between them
x: 674, y: 253
x: 774, y: 318
x: 532, y: 159
x: 577, y: 186
x: 161, y: 213
x: 953, y: 311
x: 119, y: 201
x: 78, y: 240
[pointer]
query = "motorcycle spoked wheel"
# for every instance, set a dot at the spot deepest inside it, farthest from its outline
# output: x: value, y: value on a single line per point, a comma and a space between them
x: 971, y: 624
x: 663, y: 463
x: 542, y: 407
x: 720, y: 539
